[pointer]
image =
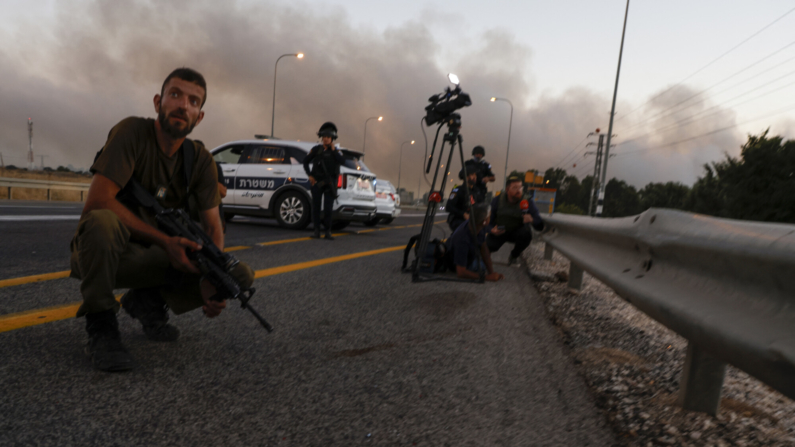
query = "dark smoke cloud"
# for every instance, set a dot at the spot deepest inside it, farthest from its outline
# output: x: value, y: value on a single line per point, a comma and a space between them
x: 104, y: 60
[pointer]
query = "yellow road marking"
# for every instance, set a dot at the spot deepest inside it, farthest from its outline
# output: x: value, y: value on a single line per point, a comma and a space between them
x: 34, y: 278
x: 39, y: 316
x: 284, y: 241
x: 65, y: 274
x: 34, y: 317
x: 319, y: 262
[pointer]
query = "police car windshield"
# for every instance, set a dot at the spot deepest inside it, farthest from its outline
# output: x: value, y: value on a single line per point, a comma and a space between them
x: 354, y: 161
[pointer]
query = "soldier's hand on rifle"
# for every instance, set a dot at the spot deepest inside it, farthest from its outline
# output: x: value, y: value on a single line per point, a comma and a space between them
x: 312, y: 180
x: 211, y: 308
x: 175, y: 249
x: 466, y: 216
x: 527, y: 218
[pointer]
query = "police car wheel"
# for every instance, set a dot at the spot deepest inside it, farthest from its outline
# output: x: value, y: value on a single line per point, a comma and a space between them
x: 292, y: 210
x: 373, y: 222
x: 387, y: 221
x: 228, y: 216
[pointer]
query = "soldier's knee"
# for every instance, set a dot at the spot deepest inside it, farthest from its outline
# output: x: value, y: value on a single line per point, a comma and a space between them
x: 103, y: 227
x: 244, y: 275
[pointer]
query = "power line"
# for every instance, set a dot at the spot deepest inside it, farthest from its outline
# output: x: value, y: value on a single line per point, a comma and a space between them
x: 692, y: 118
x: 710, y: 63
x: 560, y: 163
x: 713, y: 85
x: 789, y: 108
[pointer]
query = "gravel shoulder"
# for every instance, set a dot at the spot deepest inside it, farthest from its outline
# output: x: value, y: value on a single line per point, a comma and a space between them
x: 632, y: 366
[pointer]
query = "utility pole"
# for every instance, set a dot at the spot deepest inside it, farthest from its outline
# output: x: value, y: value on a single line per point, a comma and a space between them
x: 597, y: 164
x: 31, y: 160
x: 600, y: 203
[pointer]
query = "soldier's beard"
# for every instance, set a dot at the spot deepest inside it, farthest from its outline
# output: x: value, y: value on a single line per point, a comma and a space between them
x: 172, y: 131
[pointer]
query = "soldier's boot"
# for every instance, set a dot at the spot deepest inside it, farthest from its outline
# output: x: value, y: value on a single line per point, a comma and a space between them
x: 104, y: 347
x: 316, y: 234
x: 148, y: 307
x: 328, y: 235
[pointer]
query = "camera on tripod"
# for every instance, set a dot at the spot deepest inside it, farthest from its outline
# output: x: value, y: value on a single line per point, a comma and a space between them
x: 444, y: 104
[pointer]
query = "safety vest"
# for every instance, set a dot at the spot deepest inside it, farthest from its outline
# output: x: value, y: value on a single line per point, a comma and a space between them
x: 509, y: 215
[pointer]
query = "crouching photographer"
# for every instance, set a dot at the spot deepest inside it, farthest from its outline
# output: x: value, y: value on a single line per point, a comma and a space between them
x: 510, y: 218
x: 467, y: 253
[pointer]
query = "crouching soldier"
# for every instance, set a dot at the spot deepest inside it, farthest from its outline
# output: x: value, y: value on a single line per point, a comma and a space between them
x: 119, y: 246
x: 510, y: 220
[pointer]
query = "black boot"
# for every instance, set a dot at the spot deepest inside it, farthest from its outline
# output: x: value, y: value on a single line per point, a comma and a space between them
x: 328, y: 235
x: 148, y: 307
x: 316, y: 234
x: 104, y: 343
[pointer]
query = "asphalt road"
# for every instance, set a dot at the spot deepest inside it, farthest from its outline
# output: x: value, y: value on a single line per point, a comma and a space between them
x: 360, y: 356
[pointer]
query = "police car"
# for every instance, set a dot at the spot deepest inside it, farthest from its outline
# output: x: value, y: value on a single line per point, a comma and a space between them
x: 266, y: 178
x: 387, y: 203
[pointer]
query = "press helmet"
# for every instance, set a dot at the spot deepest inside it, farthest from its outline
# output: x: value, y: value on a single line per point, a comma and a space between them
x: 479, y: 150
x: 328, y: 129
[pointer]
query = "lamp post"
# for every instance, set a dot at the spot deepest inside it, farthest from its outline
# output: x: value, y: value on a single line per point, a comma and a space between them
x: 510, y: 124
x: 364, y: 143
x: 275, y: 67
x: 601, y: 199
x: 400, y: 162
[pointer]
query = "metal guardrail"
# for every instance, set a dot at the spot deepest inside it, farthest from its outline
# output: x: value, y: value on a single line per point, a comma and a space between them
x: 10, y: 182
x: 727, y: 286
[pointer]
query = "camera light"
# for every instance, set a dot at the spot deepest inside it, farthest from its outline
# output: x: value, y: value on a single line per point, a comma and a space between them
x: 453, y: 78
x: 300, y: 55
x: 493, y: 99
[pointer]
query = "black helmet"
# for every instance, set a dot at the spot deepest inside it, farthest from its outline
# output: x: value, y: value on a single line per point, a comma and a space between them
x: 328, y: 129
x: 479, y: 150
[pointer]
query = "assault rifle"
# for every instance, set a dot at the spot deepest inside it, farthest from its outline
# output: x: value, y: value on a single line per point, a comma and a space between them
x: 214, y: 264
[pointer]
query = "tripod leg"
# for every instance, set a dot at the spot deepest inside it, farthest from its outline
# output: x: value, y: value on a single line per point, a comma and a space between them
x: 427, y: 224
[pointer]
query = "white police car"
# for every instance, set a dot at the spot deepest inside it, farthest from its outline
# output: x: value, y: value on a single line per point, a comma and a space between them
x: 387, y: 203
x: 266, y: 178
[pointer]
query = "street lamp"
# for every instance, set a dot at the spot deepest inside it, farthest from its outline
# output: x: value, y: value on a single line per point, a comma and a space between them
x: 379, y: 118
x: 510, y: 123
x: 401, y: 161
x: 273, y: 110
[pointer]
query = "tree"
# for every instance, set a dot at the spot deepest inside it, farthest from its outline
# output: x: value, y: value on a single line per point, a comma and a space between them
x: 664, y: 195
x: 759, y: 185
x: 554, y: 177
x: 620, y: 199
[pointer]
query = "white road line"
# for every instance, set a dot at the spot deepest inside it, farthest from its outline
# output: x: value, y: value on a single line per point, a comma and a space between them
x: 40, y: 218
x: 420, y: 215
x: 66, y: 207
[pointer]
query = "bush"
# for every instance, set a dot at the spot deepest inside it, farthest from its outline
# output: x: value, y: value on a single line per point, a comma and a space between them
x: 568, y: 208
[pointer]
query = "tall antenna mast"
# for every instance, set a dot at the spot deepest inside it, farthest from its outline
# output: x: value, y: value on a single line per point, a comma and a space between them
x: 31, y: 160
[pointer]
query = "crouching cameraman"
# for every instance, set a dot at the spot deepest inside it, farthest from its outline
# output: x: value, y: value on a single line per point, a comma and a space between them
x: 510, y: 216
x: 467, y: 253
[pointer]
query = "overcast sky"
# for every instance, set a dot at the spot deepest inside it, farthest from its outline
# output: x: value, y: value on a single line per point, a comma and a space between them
x: 78, y: 67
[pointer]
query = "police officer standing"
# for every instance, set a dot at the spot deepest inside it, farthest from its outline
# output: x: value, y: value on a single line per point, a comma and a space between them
x: 457, y: 206
x: 481, y: 167
x: 323, y: 176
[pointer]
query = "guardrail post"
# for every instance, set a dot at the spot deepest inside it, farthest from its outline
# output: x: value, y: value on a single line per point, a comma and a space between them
x: 48, y: 194
x: 575, y: 276
x: 701, y: 382
x: 548, y: 250
x: 9, y: 193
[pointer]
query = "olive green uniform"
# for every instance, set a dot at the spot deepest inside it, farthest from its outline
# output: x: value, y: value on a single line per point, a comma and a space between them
x: 105, y: 257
